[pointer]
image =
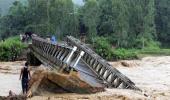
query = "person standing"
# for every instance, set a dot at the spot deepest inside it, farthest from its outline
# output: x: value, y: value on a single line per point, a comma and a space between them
x: 24, y: 77
x: 53, y: 40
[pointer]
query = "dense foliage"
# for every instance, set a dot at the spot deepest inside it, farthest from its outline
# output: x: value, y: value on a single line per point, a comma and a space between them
x: 107, y: 24
x: 103, y: 47
x: 10, y: 49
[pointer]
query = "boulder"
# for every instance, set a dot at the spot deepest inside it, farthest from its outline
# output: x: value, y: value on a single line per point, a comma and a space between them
x: 126, y: 64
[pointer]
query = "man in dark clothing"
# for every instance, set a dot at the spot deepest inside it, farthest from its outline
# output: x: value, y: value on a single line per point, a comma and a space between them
x: 25, y: 76
x: 28, y: 36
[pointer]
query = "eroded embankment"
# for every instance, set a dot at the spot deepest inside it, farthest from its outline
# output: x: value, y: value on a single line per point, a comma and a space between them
x: 44, y: 81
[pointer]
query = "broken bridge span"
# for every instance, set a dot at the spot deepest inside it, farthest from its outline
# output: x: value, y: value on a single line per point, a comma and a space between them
x: 73, y: 55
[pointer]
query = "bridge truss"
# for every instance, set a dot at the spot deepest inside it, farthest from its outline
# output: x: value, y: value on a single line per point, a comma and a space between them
x: 75, y: 55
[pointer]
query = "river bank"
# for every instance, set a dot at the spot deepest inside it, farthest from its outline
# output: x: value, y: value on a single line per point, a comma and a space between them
x: 151, y: 74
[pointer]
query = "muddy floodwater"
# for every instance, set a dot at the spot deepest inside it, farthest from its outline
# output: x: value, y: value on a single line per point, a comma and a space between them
x: 151, y: 74
x: 9, y: 77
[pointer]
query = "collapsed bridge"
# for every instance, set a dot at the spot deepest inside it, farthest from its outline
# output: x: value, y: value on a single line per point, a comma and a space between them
x: 73, y: 55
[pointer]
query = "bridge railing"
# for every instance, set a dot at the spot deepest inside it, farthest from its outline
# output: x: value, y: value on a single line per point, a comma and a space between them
x: 57, y: 56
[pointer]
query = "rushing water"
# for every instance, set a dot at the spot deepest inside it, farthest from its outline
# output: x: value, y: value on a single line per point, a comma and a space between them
x: 9, y: 77
x: 9, y: 82
x: 151, y: 74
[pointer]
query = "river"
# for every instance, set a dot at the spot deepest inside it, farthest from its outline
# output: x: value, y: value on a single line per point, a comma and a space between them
x: 151, y: 74
x: 9, y: 77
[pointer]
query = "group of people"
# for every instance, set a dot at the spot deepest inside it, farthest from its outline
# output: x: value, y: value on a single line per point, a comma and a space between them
x: 25, y: 37
x: 28, y: 36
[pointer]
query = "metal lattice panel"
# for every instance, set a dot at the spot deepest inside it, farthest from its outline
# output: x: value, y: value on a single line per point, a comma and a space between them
x: 60, y: 56
x: 110, y: 75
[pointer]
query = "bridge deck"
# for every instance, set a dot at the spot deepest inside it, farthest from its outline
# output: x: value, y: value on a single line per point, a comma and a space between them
x: 88, y: 75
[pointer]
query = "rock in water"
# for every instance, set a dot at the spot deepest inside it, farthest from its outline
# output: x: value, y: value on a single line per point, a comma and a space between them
x: 125, y: 64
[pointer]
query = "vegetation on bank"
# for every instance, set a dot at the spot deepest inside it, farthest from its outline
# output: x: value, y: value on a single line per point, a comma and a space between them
x: 105, y: 49
x: 117, y: 29
x: 11, y: 48
x: 129, y: 54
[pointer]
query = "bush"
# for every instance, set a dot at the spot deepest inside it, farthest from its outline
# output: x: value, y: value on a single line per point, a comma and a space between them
x: 10, y: 49
x: 151, y: 48
x: 122, y: 53
x: 155, y: 51
x: 103, y: 47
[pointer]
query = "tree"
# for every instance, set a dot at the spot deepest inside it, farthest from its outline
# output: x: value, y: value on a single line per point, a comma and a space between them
x: 114, y: 21
x: 13, y: 23
x: 121, y: 28
x: 62, y: 18
x: 163, y: 20
x: 125, y: 23
x: 37, y: 17
x: 107, y: 17
x: 90, y: 16
x: 148, y: 32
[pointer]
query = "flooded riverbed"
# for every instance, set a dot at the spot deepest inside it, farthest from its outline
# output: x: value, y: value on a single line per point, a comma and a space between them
x: 9, y: 77
x: 151, y: 74
x: 9, y: 82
